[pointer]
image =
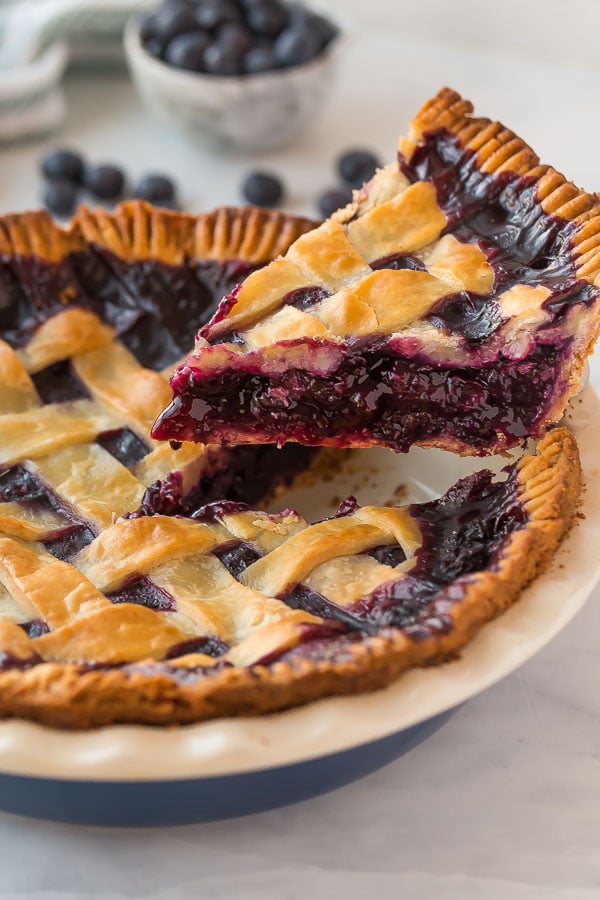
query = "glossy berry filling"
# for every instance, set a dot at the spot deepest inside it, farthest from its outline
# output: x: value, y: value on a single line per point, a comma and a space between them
x: 141, y: 590
x: 372, y: 396
x: 124, y: 445
x: 59, y: 384
x: 393, y: 392
x: 155, y: 308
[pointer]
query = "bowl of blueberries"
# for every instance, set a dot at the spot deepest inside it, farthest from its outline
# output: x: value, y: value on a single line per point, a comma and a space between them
x: 243, y: 74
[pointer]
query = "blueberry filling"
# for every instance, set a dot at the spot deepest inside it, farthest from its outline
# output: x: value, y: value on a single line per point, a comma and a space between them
x: 391, y: 400
x: 388, y: 555
x: 124, y: 445
x: 244, y: 474
x: 238, y: 557
x: 17, y: 485
x: 304, y: 298
x: 68, y: 542
x: 141, y: 590
x: 210, y: 645
x: 34, y: 628
x: 302, y: 597
x: 462, y: 531
x: 399, y: 261
x: 155, y: 308
x: 470, y: 315
x: 58, y: 384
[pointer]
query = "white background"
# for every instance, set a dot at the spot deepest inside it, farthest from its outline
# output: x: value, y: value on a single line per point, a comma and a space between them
x: 504, y: 802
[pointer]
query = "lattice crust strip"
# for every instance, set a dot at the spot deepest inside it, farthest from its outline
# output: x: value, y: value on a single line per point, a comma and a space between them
x: 163, y: 619
x: 179, y: 558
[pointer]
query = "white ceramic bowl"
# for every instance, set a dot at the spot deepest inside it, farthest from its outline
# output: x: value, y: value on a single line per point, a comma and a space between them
x: 249, y: 112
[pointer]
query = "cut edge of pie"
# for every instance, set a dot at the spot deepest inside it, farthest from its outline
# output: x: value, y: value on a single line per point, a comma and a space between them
x: 540, y: 494
x: 415, y: 273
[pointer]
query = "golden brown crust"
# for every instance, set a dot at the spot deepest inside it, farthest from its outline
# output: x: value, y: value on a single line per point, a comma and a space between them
x: 548, y: 485
x: 136, y: 230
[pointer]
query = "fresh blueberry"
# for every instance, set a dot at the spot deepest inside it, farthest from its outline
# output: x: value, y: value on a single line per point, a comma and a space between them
x: 148, y: 29
x: 173, y: 18
x: 357, y: 166
x: 326, y: 29
x: 267, y: 19
x: 296, y: 44
x: 156, y: 189
x: 333, y: 199
x: 63, y: 164
x: 186, y: 51
x: 219, y: 60
x: 154, y: 47
x: 259, y: 59
x: 60, y: 196
x: 105, y: 182
x: 235, y: 40
x: 212, y: 13
x: 262, y: 189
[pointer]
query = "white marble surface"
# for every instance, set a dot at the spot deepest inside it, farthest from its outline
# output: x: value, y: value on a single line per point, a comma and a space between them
x: 504, y: 802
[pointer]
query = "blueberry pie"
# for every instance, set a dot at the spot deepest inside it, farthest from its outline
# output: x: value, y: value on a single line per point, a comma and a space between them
x: 160, y: 619
x: 451, y: 304
x: 137, y: 581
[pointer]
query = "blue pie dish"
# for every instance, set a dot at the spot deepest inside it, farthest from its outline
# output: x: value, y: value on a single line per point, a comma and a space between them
x: 192, y: 800
x: 142, y: 776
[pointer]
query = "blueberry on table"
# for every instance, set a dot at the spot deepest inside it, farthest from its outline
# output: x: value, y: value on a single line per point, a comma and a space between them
x: 60, y: 196
x: 105, y: 182
x: 267, y: 18
x: 262, y: 189
x: 357, y: 166
x: 186, y: 51
x: 63, y: 164
x: 296, y: 44
x: 258, y: 59
x: 333, y: 199
x: 156, y: 189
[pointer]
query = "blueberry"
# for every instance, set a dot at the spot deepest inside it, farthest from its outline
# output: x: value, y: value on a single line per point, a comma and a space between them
x: 262, y: 189
x: 148, y: 29
x: 220, y: 61
x: 154, y: 47
x: 155, y: 189
x: 60, y: 196
x: 235, y: 40
x: 212, y: 13
x: 333, y: 199
x: 63, y: 164
x: 357, y: 166
x: 327, y: 30
x: 259, y: 59
x: 105, y: 182
x: 267, y: 19
x: 186, y: 51
x: 173, y: 18
x: 296, y: 44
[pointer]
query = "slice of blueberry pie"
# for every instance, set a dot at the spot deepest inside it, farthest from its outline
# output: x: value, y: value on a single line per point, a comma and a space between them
x: 452, y: 304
